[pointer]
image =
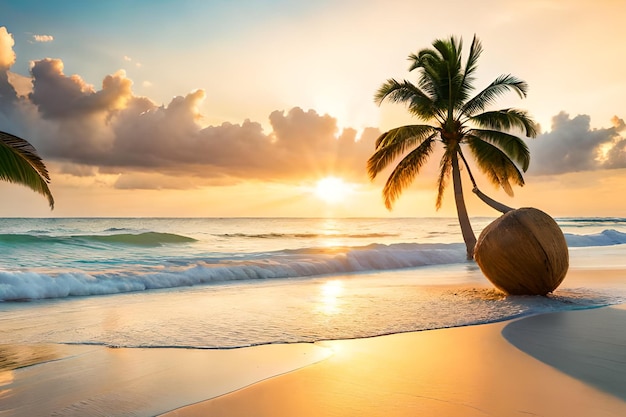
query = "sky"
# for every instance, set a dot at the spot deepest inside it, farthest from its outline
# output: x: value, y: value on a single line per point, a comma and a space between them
x: 218, y: 108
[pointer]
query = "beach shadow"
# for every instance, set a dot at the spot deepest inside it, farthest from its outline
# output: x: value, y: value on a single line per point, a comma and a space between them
x: 589, y: 345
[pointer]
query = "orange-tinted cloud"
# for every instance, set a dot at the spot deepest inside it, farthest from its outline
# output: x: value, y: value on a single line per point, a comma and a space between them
x: 7, y: 56
x: 117, y: 132
x: 109, y: 130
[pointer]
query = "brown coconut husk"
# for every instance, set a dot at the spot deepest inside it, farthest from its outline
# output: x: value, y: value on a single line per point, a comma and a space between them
x: 523, y: 252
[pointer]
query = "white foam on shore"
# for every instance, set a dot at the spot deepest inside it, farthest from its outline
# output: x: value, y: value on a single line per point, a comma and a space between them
x: 257, y: 312
x: 300, y: 263
x: 605, y: 238
x: 28, y: 285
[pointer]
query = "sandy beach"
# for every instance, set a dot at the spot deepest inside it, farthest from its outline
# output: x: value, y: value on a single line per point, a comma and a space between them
x: 469, y: 371
x: 570, y: 363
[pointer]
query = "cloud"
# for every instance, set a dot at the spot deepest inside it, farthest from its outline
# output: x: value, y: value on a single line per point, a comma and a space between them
x: 146, y: 181
x: 573, y: 146
x: 7, y: 56
x: 58, y: 96
x: 88, y: 131
x: 43, y: 38
x: 301, y: 144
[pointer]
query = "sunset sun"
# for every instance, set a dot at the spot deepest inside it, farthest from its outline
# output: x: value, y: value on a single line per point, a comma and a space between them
x: 331, y: 190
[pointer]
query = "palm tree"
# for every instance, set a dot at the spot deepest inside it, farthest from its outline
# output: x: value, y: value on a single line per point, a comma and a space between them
x: 442, y: 97
x: 20, y: 164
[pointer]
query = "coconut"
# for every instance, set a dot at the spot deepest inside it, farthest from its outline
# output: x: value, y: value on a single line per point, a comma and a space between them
x: 523, y: 252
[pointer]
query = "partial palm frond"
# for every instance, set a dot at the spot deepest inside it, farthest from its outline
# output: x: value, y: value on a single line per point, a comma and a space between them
x: 435, y: 74
x: 20, y: 164
x: 470, y: 67
x: 497, y: 88
x: 496, y: 165
x: 445, y: 168
x: 404, y: 173
x: 514, y: 147
x: 394, y: 143
x: 442, y: 75
x: 419, y: 102
x: 398, y: 92
x: 507, y: 119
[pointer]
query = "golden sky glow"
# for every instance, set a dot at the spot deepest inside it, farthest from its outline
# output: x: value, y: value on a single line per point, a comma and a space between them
x: 203, y: 110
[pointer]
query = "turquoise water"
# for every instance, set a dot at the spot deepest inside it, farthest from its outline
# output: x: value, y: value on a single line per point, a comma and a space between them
x: 234, y: 282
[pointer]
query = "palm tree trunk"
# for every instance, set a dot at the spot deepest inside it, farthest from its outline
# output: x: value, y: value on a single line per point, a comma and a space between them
x: 461, y: 210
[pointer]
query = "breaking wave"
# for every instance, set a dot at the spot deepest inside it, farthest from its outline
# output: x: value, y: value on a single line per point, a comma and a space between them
x: 140, y: 239
x: 188, y: 270
x: 27, y: 285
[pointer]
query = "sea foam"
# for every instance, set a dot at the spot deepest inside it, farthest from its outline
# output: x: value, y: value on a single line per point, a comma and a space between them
x: 150, y: 270
x: 18, y: 285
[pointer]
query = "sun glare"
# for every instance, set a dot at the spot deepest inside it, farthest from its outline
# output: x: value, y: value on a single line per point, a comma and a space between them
x: 331, y: 190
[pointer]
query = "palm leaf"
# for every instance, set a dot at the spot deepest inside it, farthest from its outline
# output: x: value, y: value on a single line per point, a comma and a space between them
x: 445, y: 167
x: 405, y: 92
x: 497, y: 88
x: 20, y: 164
x: 404, y: 173
x: 433, y: 78
x: 507, y: 119
x: 514, y: 148
x: 470, y: 67
x: 496, y: 165
x: 392, y: 144
x: 442, y: 75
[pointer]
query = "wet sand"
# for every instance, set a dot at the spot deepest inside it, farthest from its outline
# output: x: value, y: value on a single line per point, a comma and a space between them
x: 570, y: 363
x: 468, y: 371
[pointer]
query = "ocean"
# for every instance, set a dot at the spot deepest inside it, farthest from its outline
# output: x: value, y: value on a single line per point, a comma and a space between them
x: 230, y: 282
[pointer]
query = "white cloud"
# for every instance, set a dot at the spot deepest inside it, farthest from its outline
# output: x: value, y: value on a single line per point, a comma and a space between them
x: 43, y: 38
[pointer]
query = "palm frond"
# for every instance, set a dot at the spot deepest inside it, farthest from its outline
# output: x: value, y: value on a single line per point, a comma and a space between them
x: 442, y: 75
x: 430, y: 78
x: 392, y: 144
x: 496, y: 165
x: 20, y: 164
x: 450, y: 74
x: 445, y: 167
x: 470, y: 67
x: 404, y: 173
x: 419, y: 102
x: 507, y: 119
x: 497, y: 88
x: 513, y: 147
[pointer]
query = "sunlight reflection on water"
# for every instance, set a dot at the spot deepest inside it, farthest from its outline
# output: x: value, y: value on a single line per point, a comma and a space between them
x: 330, y: 297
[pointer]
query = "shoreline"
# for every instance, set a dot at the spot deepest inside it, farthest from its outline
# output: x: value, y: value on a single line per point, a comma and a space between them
x: 425, y: 373
x: 469, y: 370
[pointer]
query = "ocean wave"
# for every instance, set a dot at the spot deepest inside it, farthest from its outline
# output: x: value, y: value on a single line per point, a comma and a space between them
x: 589, y: 220
x: 146, y: 271
x: 306, y: 235
x: 605, y: 238
x: 26, y: 285
x: 139, y: 239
